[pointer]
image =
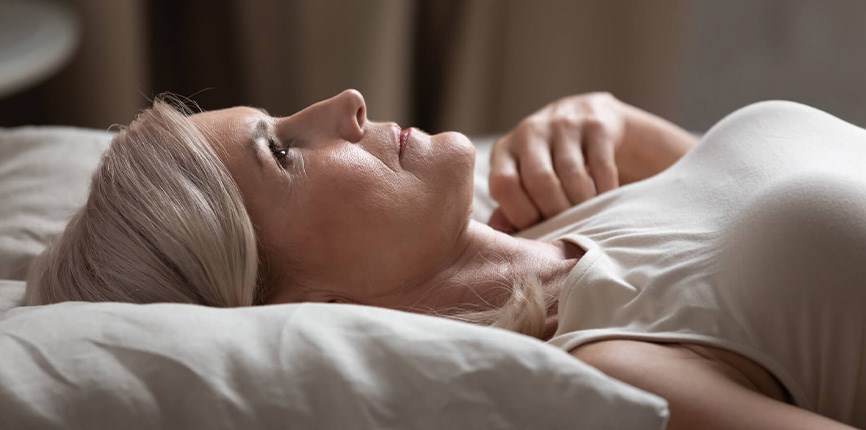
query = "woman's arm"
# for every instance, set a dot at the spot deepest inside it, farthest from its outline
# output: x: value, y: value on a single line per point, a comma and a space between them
x: 573, y: 149
x: 701, y: 393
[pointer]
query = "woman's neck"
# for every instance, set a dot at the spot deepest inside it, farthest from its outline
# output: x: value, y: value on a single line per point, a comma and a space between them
x: 483, y: 268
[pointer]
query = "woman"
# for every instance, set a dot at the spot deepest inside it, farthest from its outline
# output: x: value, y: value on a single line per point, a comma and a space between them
x: 714, y: 283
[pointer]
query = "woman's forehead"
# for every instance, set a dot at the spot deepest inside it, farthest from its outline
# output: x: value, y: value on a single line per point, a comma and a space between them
x: 226, y: 125
x: 230, y: 132
x: 239, y: 114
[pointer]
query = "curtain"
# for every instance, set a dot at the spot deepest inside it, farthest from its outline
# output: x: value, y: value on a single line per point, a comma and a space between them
x: 471, y: 65
x: 476, y: 66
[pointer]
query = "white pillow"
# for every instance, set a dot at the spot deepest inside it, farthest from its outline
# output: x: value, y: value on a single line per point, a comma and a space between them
x: 11, y: 295
x: 44, y: 176
x: 310, y: 366
x: 482, y: 204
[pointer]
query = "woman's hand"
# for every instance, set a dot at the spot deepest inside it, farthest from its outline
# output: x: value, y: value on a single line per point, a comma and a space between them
x: 556, y: 158
x: 573, y: 149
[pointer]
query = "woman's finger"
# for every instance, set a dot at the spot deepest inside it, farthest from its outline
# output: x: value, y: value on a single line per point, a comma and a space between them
x: 538, y: 176
x: 505, y: 188
x: 569, y: 164
x: 600, y: 156
x: 499, y: 222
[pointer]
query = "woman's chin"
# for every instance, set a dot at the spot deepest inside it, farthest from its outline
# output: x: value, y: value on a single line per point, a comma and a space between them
x: 459, y: 146
x: 458, y: 137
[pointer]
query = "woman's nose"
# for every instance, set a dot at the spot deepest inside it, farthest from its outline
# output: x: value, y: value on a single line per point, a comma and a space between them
x: 350, y: 113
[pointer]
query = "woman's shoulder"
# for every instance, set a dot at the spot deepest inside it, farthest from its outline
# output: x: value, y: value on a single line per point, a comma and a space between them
x: 780, y: 122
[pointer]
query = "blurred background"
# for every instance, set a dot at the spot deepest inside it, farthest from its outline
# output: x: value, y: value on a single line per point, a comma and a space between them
x: 476, y: 66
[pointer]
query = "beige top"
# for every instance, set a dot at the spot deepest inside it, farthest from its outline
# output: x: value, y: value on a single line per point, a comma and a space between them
x: 754, y: 242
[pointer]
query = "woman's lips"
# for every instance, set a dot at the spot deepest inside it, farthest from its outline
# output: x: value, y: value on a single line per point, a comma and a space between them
x: 404, y: 139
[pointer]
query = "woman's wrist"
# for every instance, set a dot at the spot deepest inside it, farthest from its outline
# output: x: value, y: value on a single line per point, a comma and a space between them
x: 650, y: 144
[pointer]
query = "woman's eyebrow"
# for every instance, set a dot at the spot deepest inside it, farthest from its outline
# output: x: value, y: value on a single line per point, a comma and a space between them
x: 260, y: 132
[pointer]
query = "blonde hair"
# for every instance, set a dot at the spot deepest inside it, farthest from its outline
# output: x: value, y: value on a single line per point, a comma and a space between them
x: 164, y: 222
x: 525, y: 311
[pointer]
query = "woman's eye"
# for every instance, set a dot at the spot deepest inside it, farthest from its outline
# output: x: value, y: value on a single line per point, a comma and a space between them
x: 279, y: 153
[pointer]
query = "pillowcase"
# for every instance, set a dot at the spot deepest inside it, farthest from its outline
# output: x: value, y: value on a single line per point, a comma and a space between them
x: 11, y: 295
x: 44, y: 177
x: 310, y: 366
x: 482, y: 204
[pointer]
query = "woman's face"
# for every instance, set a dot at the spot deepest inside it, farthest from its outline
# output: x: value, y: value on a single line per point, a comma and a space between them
x: 344, y: 209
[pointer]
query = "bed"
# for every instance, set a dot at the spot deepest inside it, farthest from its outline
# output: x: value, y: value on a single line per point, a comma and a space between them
x: 308, y: 366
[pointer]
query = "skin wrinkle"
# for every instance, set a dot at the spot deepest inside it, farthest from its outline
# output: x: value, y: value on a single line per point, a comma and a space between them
x: 432, y: 289
x: 461, y: 264
x: 761, y: 382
